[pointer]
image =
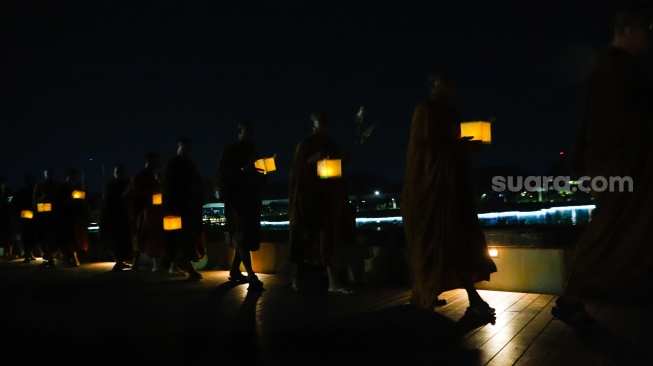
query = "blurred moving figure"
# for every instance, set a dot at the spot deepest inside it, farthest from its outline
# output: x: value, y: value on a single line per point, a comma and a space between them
x: 615, y: 139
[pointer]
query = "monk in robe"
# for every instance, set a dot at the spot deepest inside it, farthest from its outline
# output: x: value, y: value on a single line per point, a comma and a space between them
x: 445, y: 240
x: 182, y: 197
x: 44, y: 193
x: 146, y: 217
x: 240, y: 186
x: 115, y: 226
x: 615, y: 139
x: 71, y: 219
x: 321, y: 220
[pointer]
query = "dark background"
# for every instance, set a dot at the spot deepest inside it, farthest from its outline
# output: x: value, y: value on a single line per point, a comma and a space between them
x: 110, y: 80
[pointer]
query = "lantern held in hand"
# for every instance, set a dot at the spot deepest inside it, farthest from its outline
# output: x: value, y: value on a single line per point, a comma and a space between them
x: 44, y: 207
x: 171, y: 223
x: 265, y: 165
x: 79, y: 195
x: 479, y: 130
x: 329, y: 168
x: 157, y: 199
x: 26, y: 214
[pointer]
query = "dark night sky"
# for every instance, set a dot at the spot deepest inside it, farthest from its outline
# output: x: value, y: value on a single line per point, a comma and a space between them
x: 110, y: 80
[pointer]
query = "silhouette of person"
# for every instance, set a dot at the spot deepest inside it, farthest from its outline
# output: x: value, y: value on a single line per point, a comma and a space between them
x: 444, y: 238
x: 22, y: 202
x: 320, y: 216
x: 71, y: 219
x: 183, y: 197
x: 614, y: 140
x: 115, y: 226
x: 44, y: 194
x: 6, y: 220
x: 239, y: 185
x: 146, y: 217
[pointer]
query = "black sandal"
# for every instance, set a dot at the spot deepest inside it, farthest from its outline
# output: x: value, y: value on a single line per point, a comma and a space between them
x: 480, y: 310
x: 477, y: 315
x: 574, y: 315
x: 238, y: 278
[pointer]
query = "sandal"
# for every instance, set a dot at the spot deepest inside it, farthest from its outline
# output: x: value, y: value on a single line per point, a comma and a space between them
x: 238, y: 277
x: 477, y: 315
x: 574, y: 315
x: 480, y: 310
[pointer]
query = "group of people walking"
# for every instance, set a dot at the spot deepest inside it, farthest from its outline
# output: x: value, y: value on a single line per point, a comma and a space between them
x: 445, y: 240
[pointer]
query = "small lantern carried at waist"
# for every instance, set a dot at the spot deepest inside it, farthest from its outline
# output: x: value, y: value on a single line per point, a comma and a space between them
x: 157, y: 199
x: 44, y: 207
x: 26, y: 214
x: 265, y: 165
x: 479, y: 130
x: 79, y: 195
x: 329, y: 168
x: 171, y: 223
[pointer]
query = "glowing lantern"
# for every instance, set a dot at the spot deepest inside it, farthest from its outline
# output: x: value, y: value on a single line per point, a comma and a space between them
x: 171, y: 223
x: 26, y: 214
x: 157, y: 199
x: 79, y: 195
x: 329, y: 168
x: 265, y: 165
x: 480, y: 130
x: 44, y: 207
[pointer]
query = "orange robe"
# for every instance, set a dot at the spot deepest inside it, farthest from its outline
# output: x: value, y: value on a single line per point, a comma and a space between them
x: 616, y: 140
x: 321, y: 218
x: 146, y: 218
x: 438, y: 207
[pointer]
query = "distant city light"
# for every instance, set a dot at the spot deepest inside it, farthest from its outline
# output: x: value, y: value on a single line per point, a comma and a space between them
x: 377, y: 193
x: 562, y: 152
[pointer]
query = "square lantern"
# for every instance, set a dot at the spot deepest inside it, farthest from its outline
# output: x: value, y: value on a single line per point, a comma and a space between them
x: 265, y: 165
x: 26, y: 214
x: 79, y: 195
x: 329, y: 168
x: 480, y: 130
x: 171, y: 223
x: 157, y: 199
x: 44, y: 207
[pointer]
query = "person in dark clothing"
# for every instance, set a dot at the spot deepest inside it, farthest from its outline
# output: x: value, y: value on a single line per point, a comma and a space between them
x: 43, y: 198
x: 24, y: 211
x: 145, y: 215
x: 115, y: 226
x: 239, y: 185
x: 182, y: 197
x: 6, y: 220
x: 321, y: 219
x: 71, y: 218
x: 615, y: 140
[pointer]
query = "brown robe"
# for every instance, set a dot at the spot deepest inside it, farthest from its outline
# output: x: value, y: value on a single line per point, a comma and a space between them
x: 321, y: 218
x: 615, y: 140
x: 438, y: 207
x: 146, y: 218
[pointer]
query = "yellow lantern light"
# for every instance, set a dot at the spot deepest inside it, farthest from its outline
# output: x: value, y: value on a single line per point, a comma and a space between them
x: 44, y: 207
x: 265, y: 165
x: 79, y: 195
x: 480, y: 130
x: 26, y: 214
x: 171, y: 223
x: 157, y: 199
x: 329, y: 168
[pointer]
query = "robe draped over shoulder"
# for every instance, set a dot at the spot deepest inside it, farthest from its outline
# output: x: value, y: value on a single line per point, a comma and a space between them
x: 321, y: 218
x: 438, y: 206
x: 615, y: 140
